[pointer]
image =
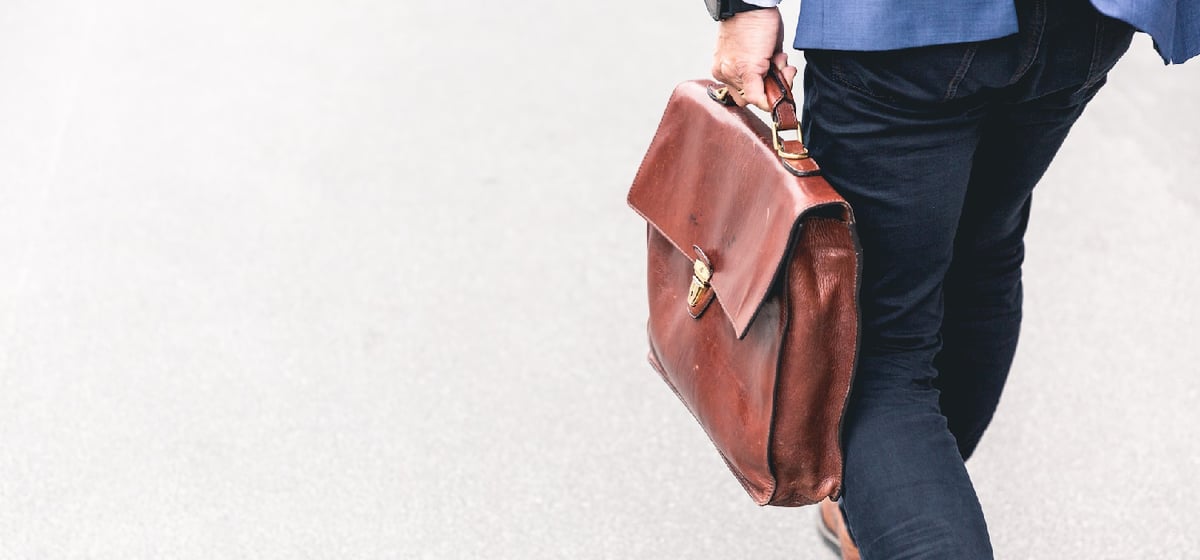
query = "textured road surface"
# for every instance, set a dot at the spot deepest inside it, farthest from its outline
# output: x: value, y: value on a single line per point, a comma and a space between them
x: 356, y: 280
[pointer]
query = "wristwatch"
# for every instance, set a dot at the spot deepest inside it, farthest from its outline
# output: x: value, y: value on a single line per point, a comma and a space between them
x: 721, y: 10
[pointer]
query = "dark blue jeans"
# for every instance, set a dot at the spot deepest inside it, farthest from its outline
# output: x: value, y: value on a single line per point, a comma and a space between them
x: 938, y: 150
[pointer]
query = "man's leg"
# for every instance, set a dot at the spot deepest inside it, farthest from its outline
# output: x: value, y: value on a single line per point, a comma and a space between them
x: 920, y: 142
x: 1019, y: 138
x: 983, y: 286
x: 902, y: 158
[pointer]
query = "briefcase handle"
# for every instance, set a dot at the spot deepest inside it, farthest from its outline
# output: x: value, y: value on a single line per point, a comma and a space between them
x: 783, y: 113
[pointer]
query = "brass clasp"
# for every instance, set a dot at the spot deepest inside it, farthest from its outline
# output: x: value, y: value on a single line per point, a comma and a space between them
x: 701, y: 275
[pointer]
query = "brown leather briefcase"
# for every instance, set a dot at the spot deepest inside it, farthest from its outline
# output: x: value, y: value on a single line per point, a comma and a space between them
x: 753, y: 284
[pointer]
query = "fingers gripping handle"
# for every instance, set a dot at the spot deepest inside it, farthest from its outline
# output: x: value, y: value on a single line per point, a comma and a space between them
x: 784, y: 117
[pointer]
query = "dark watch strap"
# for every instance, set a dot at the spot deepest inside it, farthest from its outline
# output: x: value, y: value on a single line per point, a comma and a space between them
x: 721, y: 10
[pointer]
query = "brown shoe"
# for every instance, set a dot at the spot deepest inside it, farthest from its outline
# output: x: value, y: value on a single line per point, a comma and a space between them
x: 832, y: 526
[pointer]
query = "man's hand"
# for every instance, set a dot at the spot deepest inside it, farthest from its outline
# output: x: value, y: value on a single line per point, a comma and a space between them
x: 747, y: 45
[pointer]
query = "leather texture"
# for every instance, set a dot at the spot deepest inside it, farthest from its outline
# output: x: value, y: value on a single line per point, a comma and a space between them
x: 766, y: 368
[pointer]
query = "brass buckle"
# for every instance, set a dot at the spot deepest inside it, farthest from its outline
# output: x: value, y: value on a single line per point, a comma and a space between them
x: 779, y: 143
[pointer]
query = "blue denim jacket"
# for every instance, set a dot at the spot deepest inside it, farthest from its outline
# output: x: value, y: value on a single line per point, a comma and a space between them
x: 876, y: 25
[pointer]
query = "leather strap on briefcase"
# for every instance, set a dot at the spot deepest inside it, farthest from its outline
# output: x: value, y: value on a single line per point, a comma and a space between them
x: 753, y: 284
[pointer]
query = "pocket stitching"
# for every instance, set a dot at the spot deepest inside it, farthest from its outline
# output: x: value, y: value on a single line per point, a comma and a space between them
x: 961, y: 73
x: 838, y: 74
x: 1097, y: 48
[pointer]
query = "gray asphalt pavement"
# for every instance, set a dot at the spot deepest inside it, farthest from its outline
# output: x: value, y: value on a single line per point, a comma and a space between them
x: 357, y: 280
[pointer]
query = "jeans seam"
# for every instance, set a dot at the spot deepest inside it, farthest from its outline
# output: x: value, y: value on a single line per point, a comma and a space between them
x: 1037, y: 26
x: 961, y: 73
x: 1097, y: 50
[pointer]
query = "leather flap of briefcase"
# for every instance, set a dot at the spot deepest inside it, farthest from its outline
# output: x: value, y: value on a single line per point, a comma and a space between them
x: 713, y: 184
